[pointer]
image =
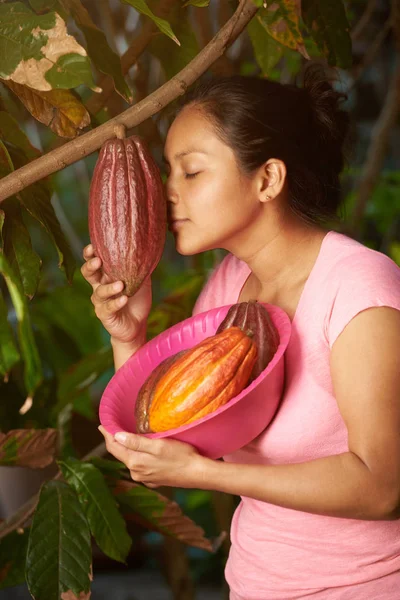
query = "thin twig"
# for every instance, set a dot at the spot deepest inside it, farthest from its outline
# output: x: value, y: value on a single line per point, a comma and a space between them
x: 380, y: 134
x: 363, y: 20
x: 86, y: 144
x: 372, y: 51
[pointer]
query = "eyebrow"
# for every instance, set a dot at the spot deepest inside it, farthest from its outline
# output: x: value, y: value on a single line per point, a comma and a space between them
x: 184, y: 153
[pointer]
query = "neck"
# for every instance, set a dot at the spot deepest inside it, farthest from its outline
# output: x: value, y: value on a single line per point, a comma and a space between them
x: 280, y: 252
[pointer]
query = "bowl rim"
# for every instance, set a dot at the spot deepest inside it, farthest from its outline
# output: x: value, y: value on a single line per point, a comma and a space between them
x: 284, y: 335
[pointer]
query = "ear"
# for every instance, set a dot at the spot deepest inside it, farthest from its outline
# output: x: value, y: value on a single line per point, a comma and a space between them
x: 271, y: 179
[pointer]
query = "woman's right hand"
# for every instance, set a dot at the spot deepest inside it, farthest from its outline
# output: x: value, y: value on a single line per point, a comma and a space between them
x: 124, y: 318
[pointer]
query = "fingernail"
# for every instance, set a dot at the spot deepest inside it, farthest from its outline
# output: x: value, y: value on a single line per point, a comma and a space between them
x: 120, y: 437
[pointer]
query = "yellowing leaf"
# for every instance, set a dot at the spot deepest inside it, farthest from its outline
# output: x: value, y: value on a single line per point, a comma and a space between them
x: 35, y: 448
x: 281, y: 21
x: 59, y: 109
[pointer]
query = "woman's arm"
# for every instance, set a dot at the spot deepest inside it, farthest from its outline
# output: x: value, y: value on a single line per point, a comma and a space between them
x: 122, y: 351
x: 363, y: 483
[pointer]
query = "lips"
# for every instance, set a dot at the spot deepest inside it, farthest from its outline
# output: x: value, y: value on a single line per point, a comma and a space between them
x: 175, y: 223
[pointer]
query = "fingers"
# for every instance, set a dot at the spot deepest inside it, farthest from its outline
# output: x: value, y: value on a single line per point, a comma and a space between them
x: 117, y: 450
x: 91, y: 268
x: 105, y: 303
x: 138, y: 443
x: 103, y: 292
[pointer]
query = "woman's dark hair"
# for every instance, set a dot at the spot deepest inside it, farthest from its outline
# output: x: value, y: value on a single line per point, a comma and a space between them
x: 304, y: 127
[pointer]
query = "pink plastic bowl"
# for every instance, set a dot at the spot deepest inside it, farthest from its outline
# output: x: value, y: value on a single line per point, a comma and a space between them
x: 222, y: 432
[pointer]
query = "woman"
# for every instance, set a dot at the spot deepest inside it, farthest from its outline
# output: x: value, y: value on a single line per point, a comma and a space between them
x: 253, y: 167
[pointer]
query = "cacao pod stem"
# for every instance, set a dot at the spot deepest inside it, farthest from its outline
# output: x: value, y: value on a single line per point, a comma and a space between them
x: 120, y: 131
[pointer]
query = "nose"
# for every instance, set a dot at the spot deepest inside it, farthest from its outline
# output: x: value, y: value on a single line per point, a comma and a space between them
x: 170, y: 191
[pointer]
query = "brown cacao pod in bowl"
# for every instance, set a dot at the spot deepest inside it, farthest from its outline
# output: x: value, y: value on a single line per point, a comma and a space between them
x: 127, y: 211
x: 203, y: 379
x: 254, y: 317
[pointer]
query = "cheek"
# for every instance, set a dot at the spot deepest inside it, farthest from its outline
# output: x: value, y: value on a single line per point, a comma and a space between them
x: 215, y: 199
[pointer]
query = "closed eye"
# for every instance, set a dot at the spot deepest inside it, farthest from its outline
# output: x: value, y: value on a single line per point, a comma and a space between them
x: 191, y: 175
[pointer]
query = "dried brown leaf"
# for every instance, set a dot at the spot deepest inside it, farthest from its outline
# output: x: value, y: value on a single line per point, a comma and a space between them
x: 168, y: 521
x: 59, y: 109
x: 34, y: 448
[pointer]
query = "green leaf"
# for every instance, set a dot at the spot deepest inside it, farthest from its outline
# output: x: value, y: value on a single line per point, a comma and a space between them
x: 395, y: 252
x: 78, y: 377
x: 13, y: 548
x: 108, y: 467
x: 9, y: 355
x: 32, y: 365
x: 15, y: 240
x: 6, y: 164
x: 71, y: 70
x: 171, y: 57
x: 68, y: 304
x: 58, y: 562
x: 105, y: 521
x: 10, y: 131
x: 17, y: 42
x: 162, y: 24
x: 44, y: 6
x: 36, y: 199
x: 55, y: 57
x: 177, y: 306
x: 18, y: 249
x: 328, y: 25
x: 198, y: 3
x: 35, y: 448
x: 65, y: 445
x: 2, y: 217
x: 105, y: 59
x: 41, y: 6
x: 267, y: 51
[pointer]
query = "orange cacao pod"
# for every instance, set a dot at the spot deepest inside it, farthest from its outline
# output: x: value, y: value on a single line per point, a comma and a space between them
x: 203, y: 379
x: 254, y: 317
x: 146, y: 392
x: 127, y: 211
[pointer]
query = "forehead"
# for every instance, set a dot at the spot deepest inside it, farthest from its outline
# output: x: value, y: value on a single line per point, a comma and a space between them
x: 189, y: 129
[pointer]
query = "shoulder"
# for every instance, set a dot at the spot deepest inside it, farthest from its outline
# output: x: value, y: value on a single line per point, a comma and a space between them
x: 352, y: 263
x: 357, y: 278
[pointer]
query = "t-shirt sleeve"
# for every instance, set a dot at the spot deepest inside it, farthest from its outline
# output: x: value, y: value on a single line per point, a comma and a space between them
x: 217, y: 289
x: 365, y: 280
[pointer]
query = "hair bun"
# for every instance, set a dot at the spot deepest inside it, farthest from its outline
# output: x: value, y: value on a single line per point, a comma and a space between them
x: 332, y: 123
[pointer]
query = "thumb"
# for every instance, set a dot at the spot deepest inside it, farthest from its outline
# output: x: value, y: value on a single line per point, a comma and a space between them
x: 135, y: 442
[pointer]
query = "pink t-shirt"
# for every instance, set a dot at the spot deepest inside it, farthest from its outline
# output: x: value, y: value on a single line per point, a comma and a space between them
x: 284, y: 554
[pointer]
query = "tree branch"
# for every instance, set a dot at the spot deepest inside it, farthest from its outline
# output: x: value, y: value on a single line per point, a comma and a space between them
x: 363, y: 20
x: 380, y: 134
x: 86, y: 144
x: 372, y: 51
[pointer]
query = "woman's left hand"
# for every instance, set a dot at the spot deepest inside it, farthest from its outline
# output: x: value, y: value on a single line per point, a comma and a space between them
x: 157, y: 462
